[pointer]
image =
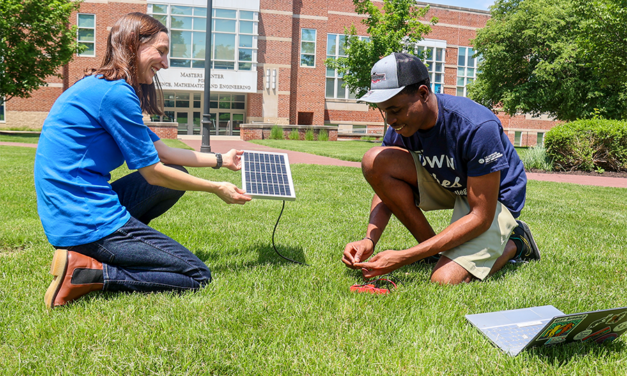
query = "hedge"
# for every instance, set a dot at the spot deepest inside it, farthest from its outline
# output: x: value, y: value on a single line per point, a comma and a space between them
x: 588, y: 144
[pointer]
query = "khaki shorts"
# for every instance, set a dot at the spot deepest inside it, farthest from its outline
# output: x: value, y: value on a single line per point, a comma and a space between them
x: 478, y: 255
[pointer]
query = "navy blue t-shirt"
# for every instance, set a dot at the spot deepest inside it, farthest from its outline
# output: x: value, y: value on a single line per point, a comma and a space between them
x: 467, y: 140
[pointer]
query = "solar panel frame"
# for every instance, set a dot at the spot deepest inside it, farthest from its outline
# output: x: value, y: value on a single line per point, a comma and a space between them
x: 267, y: 175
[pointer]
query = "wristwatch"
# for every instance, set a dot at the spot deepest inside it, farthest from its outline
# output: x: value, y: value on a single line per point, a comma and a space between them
x: 218, y: 161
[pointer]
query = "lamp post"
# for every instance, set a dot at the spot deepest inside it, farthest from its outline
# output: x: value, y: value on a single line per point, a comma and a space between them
x: 206, y: 121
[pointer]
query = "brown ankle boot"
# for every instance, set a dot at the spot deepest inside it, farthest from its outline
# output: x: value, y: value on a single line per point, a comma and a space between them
x: 74, y: 276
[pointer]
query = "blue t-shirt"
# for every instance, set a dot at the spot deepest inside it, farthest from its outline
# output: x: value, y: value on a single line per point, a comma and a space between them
x: 92, y: 128
x: 467, y: 140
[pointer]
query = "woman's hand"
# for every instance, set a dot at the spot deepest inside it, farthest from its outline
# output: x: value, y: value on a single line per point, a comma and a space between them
x: 233, y: 159
x: 231, y: 194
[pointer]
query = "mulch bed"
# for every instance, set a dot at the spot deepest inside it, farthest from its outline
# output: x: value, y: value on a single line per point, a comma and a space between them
x: 606, y: 174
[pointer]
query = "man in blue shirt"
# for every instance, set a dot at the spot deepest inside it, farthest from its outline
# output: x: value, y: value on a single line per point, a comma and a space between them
x: 441, y: 152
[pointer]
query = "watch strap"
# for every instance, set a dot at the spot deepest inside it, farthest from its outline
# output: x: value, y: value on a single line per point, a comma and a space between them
x: 218, y: 161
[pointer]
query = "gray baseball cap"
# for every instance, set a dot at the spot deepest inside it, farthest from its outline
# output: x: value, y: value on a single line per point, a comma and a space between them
x: 391, y: 74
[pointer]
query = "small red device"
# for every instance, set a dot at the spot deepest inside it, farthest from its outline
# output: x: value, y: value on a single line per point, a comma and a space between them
x: 372, y: 287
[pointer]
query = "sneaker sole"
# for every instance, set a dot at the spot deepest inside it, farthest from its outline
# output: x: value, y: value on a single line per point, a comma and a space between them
x: 57, y: 269
x: 534, y: 246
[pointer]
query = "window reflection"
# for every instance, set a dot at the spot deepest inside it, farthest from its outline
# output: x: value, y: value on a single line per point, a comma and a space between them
x: 308, y: 48
x: 86, y: 33
x: 434, y: 58
x: 334, y: 81
x: 180, y: 43
x: 467, y: 69
x: 234, y: 37
x: 224, y: 46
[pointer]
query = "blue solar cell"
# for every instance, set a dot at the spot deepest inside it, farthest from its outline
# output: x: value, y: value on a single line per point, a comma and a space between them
x: 267, y: 175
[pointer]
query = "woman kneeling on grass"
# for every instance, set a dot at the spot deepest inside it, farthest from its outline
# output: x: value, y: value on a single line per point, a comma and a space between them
x: 99, y: 229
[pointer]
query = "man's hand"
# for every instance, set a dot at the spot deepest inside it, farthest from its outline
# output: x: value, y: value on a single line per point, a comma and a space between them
x: 233, y: 159
x: 357, y: 251
x: 382, y: 263
x: 231, y: 194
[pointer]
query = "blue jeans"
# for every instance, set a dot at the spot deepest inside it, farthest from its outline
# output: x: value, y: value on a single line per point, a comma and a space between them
x: 137, y: 257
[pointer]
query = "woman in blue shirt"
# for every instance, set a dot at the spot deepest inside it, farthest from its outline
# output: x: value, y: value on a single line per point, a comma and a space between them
x: 100, y: 229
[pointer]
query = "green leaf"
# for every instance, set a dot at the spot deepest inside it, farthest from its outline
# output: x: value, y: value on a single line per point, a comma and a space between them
x: 564, y: 58
x: 35, y: 41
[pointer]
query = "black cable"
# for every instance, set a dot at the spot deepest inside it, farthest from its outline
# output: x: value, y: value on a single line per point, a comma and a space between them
x: 273, y: 231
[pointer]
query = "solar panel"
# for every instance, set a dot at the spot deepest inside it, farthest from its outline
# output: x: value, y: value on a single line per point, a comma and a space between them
x: 267, y: 175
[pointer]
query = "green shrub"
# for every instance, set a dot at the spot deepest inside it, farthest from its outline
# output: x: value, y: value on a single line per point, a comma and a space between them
x: 309, y: 135
x: 294, y: 135
x: 537, y: 159
x: 587, y: 145
x: 276, y: 133
x: 323, y: 135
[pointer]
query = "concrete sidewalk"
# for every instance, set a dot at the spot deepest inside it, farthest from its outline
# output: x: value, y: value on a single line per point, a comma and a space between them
x: 18, y: 144
x: 599, y: 181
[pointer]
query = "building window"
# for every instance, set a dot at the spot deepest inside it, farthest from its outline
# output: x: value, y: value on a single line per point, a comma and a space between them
x: 517, y: 138
x: 234, y: 36
x: 540, y: 139
x: 335, y: 80
x: 2, y: 110
x: 227, y: 101
x: 466, y: 69
x: 247, y: 40
x: 159, y: 12
x: 434, y: 56
x: 308, y: 47
x: 86, y: 34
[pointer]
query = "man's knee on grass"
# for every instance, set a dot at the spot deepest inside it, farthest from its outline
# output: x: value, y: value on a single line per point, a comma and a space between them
x: 448, y: 272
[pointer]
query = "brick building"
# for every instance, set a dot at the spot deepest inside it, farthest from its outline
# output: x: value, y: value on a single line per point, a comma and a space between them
x: 267, y: 64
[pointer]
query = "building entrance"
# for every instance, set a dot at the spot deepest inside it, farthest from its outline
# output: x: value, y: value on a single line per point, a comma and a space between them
x: 226, y: 123
x: 227, y: 112
x: 189, y: 122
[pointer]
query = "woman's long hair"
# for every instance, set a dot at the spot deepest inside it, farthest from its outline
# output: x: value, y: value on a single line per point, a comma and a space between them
x: 120, y: 60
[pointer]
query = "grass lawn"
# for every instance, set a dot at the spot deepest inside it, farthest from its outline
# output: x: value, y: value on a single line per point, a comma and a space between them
x: 26, y: 138
x: 265, y: 316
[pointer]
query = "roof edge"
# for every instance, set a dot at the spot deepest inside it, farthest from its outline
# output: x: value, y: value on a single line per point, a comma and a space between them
x: 452, y: 7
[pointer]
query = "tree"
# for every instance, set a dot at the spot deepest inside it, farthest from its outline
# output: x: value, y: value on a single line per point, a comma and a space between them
x: 396, y: 29
x: 534, y: 60
x: 603, y: 37
x: 35, y: 41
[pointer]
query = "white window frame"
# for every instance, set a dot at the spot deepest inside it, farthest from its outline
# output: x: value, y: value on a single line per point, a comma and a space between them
x: 237, y: 19
x: 78, y: 28
x: 435, y: 66
x: 336, y: 75
x: 518, y: 135
x: 255, y: 37
x: 315, y: 42
x: 465, y: 77
x: 540, y: 139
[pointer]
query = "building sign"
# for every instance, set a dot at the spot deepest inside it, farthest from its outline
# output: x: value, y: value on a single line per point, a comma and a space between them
x: 221, y: 80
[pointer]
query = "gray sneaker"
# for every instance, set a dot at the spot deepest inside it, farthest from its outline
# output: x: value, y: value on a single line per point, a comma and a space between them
x: 530, y: 249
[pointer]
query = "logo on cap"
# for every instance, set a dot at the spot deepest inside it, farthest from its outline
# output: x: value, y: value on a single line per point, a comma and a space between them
x: 377, y: 77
